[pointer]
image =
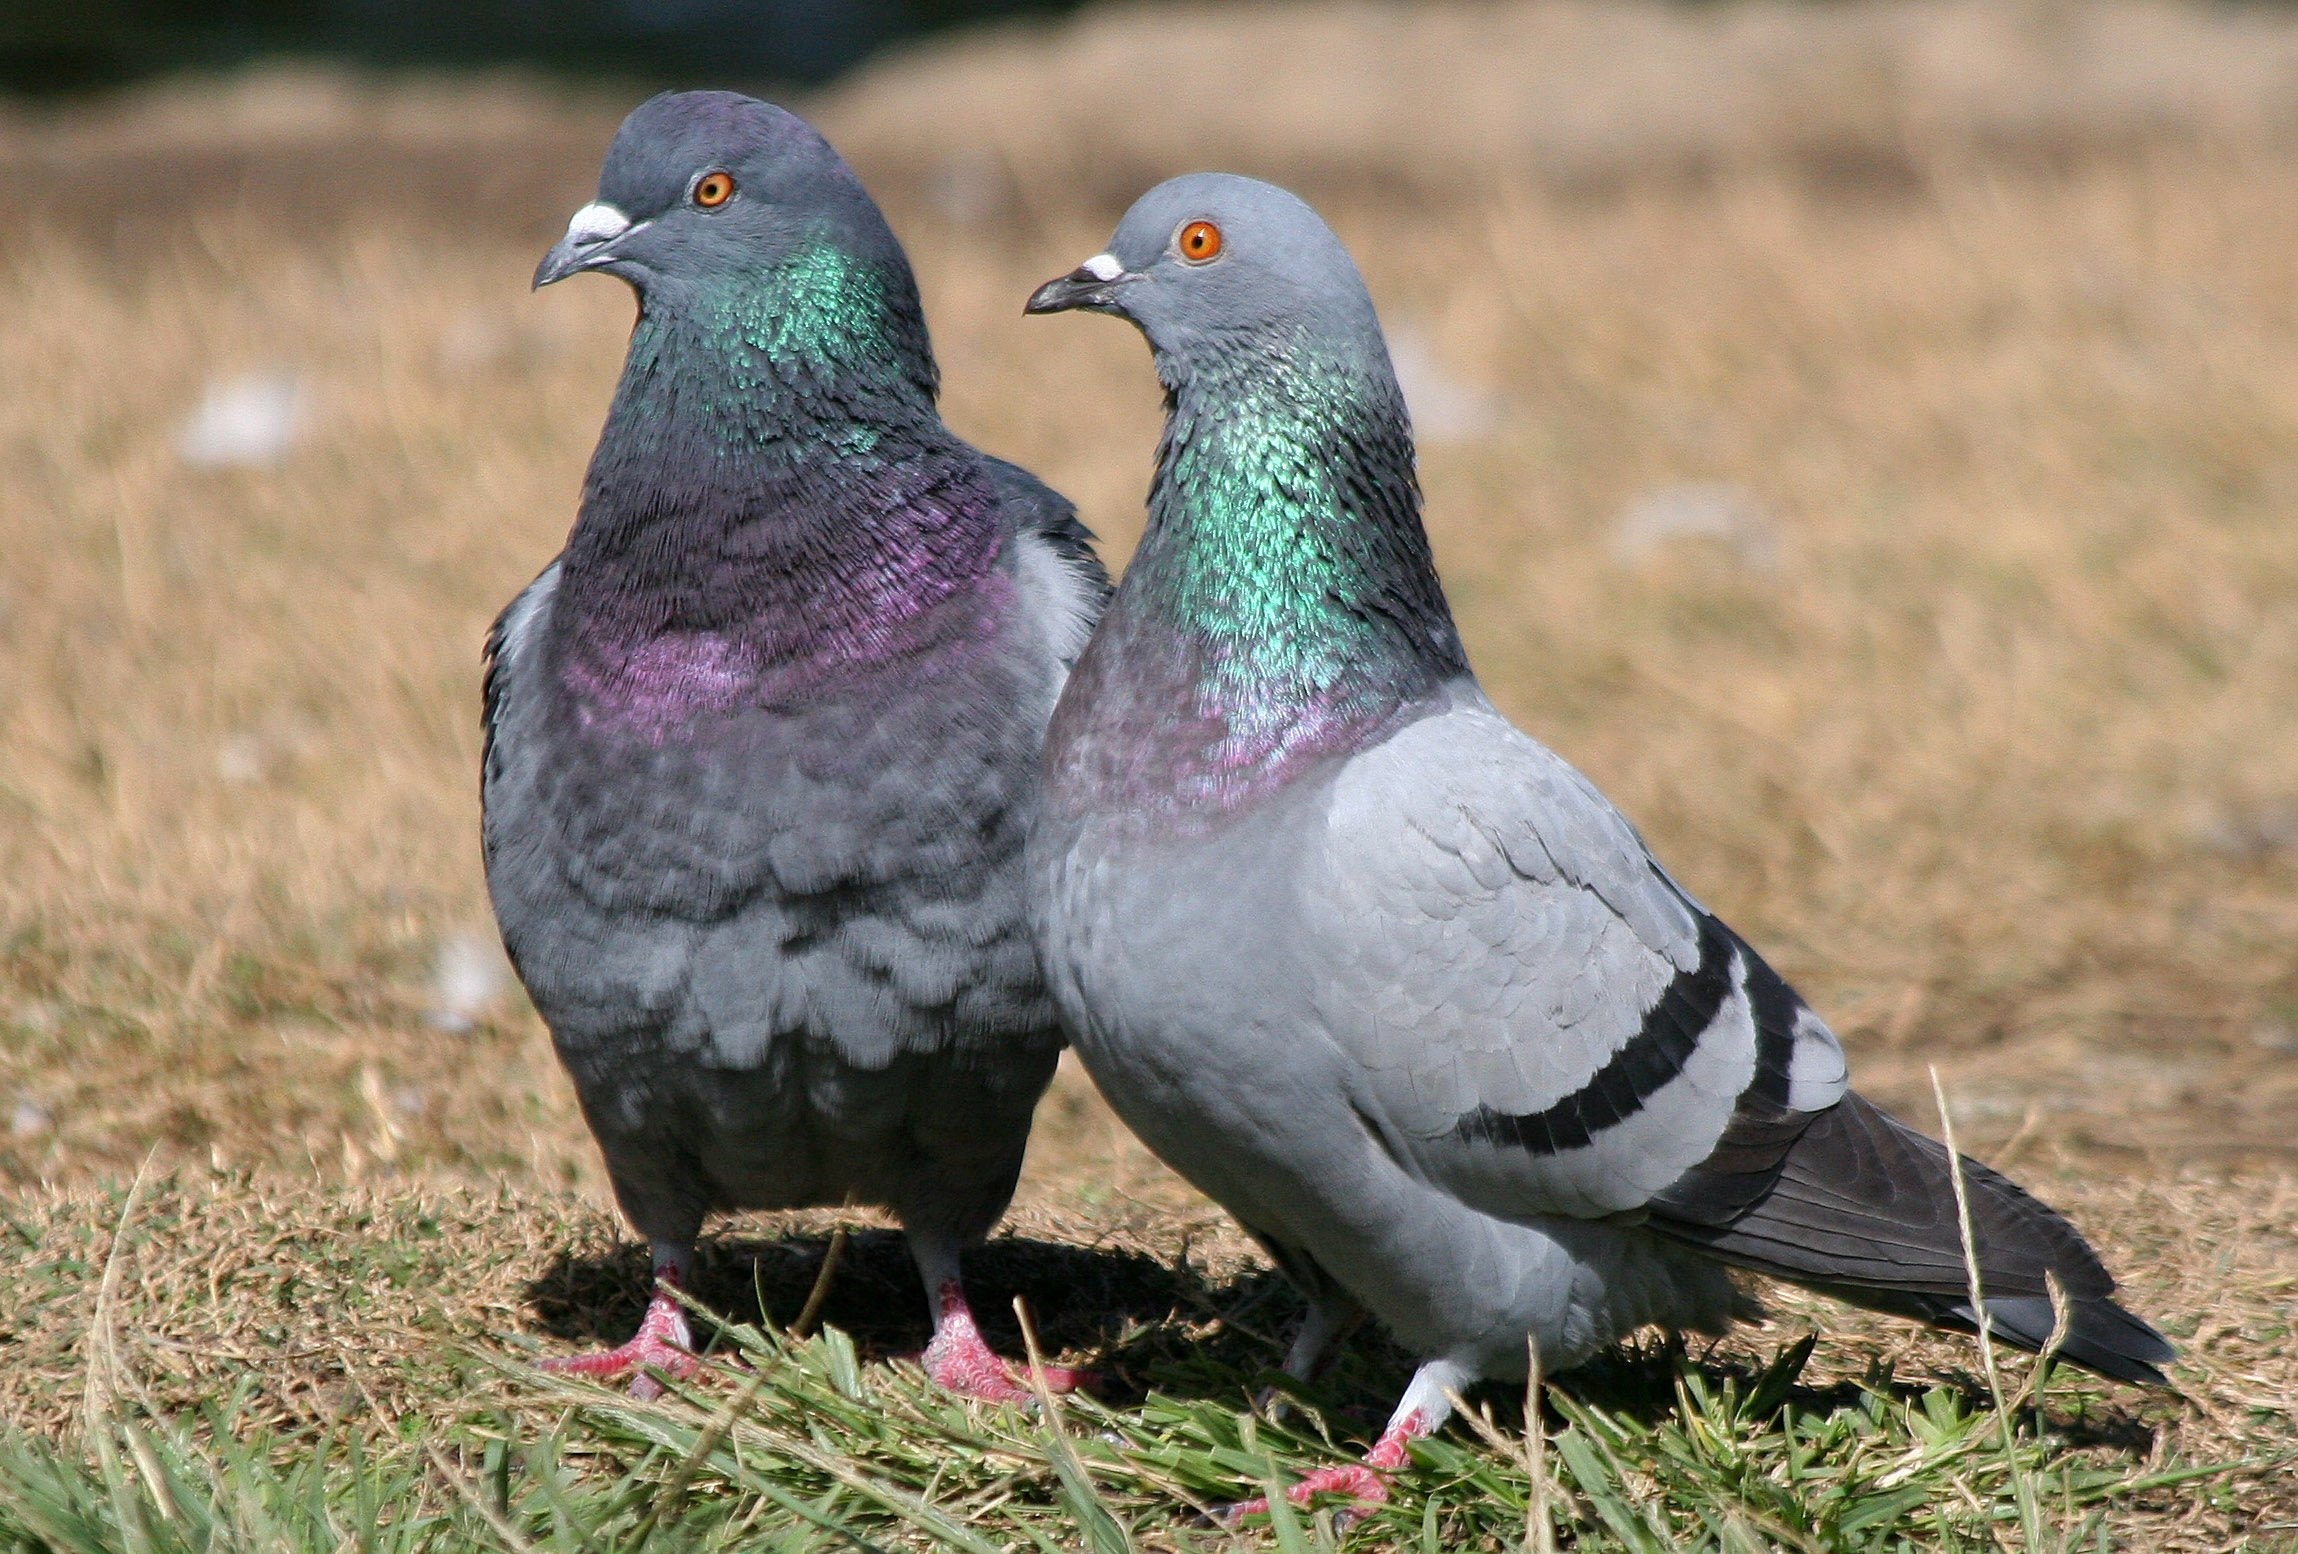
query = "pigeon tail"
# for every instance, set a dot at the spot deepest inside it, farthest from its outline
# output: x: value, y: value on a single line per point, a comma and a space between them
x: 1862, y: 1207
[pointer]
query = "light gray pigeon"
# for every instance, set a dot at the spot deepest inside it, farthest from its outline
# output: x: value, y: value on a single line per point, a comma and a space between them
x: 1383, y: 975
x: 762, y: 743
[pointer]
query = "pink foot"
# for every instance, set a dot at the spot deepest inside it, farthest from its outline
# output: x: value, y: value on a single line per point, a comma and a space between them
x: 663, y: 1344
x: 1364, y: 1488
x: 1365, y: 1483
x: 960, y: 1362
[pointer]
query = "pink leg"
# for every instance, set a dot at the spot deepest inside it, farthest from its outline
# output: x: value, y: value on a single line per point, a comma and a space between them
x: 960, y: 1361
x: 663, y: 1343
x: 1426, y: 1404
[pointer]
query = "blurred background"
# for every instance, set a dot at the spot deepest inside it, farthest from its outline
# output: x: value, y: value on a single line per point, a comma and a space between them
x: 53, y: 46
x: 1863, y: 435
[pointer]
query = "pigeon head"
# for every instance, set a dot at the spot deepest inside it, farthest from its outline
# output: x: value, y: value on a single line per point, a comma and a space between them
x: 1283, y: 587
x: 702, y: 190
x: 773, y: 467
x: 765, y: 274
x: 1211, y: 264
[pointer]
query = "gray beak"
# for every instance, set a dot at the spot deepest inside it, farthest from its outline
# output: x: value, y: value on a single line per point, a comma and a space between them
x: 589, y: 243
x: 1091, y: 286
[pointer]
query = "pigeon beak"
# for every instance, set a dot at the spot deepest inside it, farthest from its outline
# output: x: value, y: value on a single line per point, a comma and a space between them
x: 589, y: 243
x: 1091, y: 286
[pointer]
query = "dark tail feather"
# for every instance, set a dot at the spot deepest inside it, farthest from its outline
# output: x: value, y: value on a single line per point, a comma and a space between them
x: 1862, y: 1207
x: 2101, y: 1336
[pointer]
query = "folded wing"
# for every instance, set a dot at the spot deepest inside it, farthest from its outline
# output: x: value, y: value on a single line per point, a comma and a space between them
x: 1545, y: 1023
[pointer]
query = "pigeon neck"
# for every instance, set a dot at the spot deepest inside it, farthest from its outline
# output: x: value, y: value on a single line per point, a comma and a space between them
x: 1284, y: 594
x: 773, y: 478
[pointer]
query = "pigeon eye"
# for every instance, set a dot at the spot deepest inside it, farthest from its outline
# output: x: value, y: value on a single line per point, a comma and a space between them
x: 713, y: 190
x: 1199, y: 242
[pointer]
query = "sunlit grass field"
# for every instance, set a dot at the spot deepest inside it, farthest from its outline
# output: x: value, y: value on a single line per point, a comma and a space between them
x: 1904, y: 545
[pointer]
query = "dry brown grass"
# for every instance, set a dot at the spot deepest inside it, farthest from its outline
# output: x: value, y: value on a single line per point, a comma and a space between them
x: 1997, y: 760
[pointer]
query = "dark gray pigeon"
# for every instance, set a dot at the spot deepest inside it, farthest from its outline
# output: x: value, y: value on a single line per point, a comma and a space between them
x: 762, y: 744
x: 1383, y: 975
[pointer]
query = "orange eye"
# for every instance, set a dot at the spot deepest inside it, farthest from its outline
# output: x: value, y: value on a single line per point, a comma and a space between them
x: 714, y: 190
x: 1199, y: 241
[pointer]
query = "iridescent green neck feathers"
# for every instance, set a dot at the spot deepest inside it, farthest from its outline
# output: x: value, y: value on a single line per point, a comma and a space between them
x: 1285, y: 533
x: 819, y: 325
x: 1283, y: 605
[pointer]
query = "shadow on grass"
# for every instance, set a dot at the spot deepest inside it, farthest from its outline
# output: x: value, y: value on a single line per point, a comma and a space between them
x: 1145, y: 1326
x: 1141, y: 1323
x: 1639, y: 1382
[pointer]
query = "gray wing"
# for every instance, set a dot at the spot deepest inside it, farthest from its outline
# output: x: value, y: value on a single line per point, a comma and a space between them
x: 1545, y: 1022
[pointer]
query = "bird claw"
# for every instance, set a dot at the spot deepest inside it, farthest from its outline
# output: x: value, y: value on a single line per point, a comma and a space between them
x: 959, y: 1362
x: 642, y: 1356
x: 662, y: 1344
x: 1366, y: 1489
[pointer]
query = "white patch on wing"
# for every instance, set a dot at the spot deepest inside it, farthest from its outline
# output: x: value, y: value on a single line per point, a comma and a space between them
x: 1103, y: 267
x: 1068, y: 596
x: 1816, y: 1073
x: 526, y: 609
x: 518, y: 625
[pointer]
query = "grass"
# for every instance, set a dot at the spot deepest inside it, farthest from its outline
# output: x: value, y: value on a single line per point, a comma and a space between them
x: 690, y: 1474
x: 287, y: 1355
x: 1992, y: 755
x: 217, y: 1364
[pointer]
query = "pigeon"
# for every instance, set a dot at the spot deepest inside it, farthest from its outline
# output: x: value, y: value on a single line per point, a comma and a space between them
x: 762, y: 742
x: 1387, y: 978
